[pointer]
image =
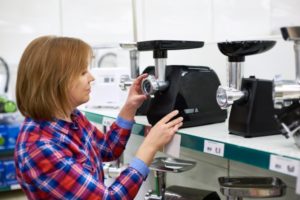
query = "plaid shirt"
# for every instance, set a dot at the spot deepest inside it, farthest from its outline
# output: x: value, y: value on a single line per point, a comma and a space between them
x: 63, y: 160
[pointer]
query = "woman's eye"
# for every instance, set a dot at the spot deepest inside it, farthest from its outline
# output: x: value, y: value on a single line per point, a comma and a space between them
x: 84, y: 72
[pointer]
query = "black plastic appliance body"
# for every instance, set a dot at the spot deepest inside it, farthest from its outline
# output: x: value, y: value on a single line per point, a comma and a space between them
x: 254, y: 115
x: 192, y: 91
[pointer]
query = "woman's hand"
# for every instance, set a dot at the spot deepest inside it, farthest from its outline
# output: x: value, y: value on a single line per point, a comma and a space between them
x: 134, y: 100
x: 136, y: 96
x: 159, y: 135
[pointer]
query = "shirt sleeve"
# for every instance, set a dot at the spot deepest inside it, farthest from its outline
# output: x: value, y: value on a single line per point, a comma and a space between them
x: 124, y: 123
x: 112, y: 144
x: 61, y: 176
x: 140, y: 166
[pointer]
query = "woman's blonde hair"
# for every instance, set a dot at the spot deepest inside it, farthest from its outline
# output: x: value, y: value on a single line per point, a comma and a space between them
x: 47, y: 68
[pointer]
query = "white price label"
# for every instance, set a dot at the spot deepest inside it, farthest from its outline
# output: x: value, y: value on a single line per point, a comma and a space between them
x: 284, y: 165
x: 215, y: 148
x: 107, y: 121
x: 15, y: 187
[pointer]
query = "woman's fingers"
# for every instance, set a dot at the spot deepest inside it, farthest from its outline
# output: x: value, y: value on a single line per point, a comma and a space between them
x: 169, y: 116
x: 139, y: 79
x: 175, y: 122
x: 177, y: 126
x: 137, y: 83
x: 141, y: 98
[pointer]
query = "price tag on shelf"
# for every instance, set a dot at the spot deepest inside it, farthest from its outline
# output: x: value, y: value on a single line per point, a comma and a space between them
x: 107, y: 121
x: 215, y: 148
x: 15, y: 187
x: 284, y: 165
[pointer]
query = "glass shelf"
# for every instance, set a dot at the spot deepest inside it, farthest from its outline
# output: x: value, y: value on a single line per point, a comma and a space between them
x: 263, y: 152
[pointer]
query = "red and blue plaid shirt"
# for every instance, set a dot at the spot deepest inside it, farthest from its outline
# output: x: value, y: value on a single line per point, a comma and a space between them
x: 63, y: 160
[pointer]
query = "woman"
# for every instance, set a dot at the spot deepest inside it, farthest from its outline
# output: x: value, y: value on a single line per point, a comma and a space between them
x: 59, y: 153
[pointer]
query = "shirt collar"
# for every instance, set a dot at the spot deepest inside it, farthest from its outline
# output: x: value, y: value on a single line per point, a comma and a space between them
x: 65, y: 126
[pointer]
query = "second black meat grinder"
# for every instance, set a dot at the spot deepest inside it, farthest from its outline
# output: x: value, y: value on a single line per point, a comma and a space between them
x: 252, y: 112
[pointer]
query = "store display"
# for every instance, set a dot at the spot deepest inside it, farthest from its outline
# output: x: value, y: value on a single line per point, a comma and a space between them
x: 8, y: 135
x: 105, y: 90
x: 188, y: 89
x: 4, y: 77
x: 163, y: 165
x: 9, y: 172
x: 236, y: 188
x: 252, y: 113
x: 12, y: 135
x: 2, y: 175
x: 3, y: 136
x: 7, y: 106
x: 286, y: 93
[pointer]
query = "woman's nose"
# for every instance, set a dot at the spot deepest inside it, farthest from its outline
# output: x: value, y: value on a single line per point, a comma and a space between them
x: 91, y: 78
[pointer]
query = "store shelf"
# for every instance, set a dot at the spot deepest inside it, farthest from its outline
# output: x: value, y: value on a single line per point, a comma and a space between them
x: 7, y: 151
x: 10, y: 187
x: 6, y: 118
x: 270, y: 152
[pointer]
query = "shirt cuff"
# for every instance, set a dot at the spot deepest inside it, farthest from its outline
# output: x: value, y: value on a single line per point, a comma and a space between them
x: 123, y: 123
x: 140, y: 166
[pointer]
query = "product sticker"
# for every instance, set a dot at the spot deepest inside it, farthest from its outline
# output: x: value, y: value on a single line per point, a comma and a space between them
x: 107, y: 121
x: 284, y: 165
x: 215, y: 148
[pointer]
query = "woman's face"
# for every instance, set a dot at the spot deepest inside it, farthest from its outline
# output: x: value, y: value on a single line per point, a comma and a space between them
x: 81, y: 88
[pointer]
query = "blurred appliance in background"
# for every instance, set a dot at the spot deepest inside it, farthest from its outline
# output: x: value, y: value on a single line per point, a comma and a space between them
x: 8, y: 107
x: 286, y: 93
x: 127, y: 80
x: 188, y: 89
x: 4, y: 76
x: 252, y: 112
x: 105, y: 90
x: 105, y: 68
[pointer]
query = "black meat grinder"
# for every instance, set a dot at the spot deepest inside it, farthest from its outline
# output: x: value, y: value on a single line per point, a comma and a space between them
x: 189, y: 89
x: 252, y: 111
x: 286, y: 93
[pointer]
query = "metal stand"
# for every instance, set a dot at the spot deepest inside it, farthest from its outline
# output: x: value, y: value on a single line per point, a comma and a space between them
x: 236, y: 188
x: 161, y: 166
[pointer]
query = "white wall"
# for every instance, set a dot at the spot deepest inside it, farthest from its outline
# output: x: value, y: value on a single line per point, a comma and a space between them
x: 223, y: 20
x: 91, y: 20
x: 97, y: 21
